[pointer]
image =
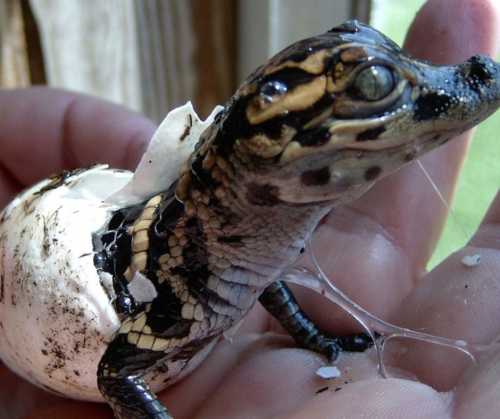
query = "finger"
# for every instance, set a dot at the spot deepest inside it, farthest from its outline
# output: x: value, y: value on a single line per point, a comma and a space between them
x: 378, y: 399
x: 266, y: 373
x: 457, y: 301
x: 73, y: 410
x: 44, y: 130
x: 205, y: 385
x: 21, y: 397
x: 262, y: 373
x: 477, y: 395
x: 376, y: 249
x: 444, y: 32
x: 488, y: 235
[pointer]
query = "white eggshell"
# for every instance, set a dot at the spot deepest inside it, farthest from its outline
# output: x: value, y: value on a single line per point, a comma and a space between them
x: 56, y: 315
x: 169, y: 148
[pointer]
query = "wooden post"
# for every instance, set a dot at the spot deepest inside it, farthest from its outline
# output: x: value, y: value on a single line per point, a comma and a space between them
x: 14, y: 67
x: 150, y: 55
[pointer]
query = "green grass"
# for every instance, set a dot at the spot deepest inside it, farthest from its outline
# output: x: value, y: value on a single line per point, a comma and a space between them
x: 480, y: 177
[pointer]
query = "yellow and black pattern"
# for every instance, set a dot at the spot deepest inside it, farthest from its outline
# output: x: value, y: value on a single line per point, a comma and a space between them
x: 140, y: 237
x: 311, y: 129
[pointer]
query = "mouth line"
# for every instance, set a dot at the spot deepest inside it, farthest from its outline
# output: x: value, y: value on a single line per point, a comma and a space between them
x: 437, y: 137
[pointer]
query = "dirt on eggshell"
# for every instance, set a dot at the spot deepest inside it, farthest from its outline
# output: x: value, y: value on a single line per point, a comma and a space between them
x: 56, y: 311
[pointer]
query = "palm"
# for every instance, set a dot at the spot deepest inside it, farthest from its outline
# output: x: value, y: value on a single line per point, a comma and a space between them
x: 380, y: 262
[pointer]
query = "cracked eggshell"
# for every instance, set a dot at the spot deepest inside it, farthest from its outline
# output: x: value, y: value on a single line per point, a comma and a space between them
x: 56, y: 316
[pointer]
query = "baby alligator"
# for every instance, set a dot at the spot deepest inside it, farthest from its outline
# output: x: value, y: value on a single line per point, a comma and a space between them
x: 313, y: 128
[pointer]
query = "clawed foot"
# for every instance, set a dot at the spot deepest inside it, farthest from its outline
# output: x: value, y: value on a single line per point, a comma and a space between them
x: 331, y: 347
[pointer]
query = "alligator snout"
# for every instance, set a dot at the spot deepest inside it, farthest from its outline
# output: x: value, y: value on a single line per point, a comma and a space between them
x: 461, y: 95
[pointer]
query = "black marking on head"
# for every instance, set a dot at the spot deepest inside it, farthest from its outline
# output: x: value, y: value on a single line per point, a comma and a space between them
x: 370, y: 134
x: 318, y: 177
x: 288, y: 78
x: 298, y: 52
x: 313, y: 137
x: 263, y: 195
x: 372, y: 173
x: 236, y: 126
x: 431, y: 105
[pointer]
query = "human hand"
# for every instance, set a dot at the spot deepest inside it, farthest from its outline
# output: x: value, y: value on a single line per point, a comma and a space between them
x: 386, y: 237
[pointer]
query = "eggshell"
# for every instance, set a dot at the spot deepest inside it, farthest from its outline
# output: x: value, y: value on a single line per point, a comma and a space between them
x: 56, y: 312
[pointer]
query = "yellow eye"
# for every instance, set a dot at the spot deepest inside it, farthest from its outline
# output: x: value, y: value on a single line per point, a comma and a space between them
x: 374, y: 83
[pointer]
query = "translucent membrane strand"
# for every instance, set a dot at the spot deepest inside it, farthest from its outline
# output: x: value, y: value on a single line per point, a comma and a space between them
x: 379, y: 330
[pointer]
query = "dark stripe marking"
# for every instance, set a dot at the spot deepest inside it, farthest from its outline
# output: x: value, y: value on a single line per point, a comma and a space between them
x: 313, y: 137
x: 263, y: 195
x: 431, y: 106
x: 318, y: 177
x: 372, y: 173
x: 370, y: 134
x: 230, y: 239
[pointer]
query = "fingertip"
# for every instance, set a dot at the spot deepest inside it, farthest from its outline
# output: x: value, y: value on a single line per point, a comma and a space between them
x: 450, y: 31
x: 73, y: 410
x: 45, y: 130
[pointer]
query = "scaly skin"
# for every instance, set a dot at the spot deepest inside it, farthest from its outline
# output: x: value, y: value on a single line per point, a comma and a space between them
x: 312, y: 129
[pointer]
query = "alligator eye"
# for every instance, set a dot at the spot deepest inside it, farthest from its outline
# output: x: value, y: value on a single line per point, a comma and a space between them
x: 374, y: 83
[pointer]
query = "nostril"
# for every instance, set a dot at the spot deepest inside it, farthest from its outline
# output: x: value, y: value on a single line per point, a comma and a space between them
x: 479, y: 71
x: 480, y: 68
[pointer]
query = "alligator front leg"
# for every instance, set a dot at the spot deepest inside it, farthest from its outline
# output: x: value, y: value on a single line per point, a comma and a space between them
x: 279, y: 300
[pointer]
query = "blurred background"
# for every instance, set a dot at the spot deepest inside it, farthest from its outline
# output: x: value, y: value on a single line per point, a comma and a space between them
x: 153, y: 55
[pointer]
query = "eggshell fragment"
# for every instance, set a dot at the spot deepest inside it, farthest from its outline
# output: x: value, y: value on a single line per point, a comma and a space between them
x: 471, y: 260
x: 328, y: 372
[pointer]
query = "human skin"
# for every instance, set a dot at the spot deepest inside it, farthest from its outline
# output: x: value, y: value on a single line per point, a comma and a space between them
x: 385, y: 239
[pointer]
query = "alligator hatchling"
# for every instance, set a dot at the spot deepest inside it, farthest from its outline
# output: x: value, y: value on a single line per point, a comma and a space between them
x: 313, y: 128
